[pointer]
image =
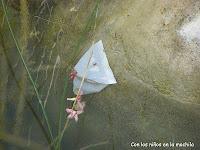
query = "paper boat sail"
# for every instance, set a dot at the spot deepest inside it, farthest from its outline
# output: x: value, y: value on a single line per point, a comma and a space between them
x: 99, y: 74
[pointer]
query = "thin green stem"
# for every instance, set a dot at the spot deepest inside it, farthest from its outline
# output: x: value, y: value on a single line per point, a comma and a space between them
x: 61, y: 113
x: 79, y: 92
x: 62, y: 105
x: 87, y: 27
x: 66, y: 79
x: 28, y: 72
x: 27, y: 101
x: 86, y: 30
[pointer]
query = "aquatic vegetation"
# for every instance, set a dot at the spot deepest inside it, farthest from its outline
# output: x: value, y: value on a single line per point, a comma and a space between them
x: 21, y: 47
x: 157, y: 71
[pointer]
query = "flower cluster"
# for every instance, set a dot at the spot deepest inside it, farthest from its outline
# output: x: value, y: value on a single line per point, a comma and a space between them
x: 76, y: 110
x: 78, y: 105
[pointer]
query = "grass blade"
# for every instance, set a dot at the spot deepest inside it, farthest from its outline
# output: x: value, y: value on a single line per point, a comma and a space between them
x: 28, y: 72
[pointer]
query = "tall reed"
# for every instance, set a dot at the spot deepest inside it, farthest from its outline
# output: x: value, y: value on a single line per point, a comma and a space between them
x: 27, y: 71
x: 91, y: 24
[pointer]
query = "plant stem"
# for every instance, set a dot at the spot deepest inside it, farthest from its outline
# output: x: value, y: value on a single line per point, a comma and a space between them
x: 87, y: 27
x: 28, y: 72
x: 20, y: 142
x: 61, y: 113
x: 78, y: 94
x: 19, y: 86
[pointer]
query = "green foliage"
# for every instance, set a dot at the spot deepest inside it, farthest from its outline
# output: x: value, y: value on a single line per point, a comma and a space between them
x: 53, y: 28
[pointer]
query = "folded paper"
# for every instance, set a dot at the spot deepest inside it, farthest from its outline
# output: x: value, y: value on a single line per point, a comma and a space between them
x: 98, y: 72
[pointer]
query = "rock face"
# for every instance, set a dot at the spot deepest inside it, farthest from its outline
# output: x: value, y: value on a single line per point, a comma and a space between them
x: 154, y: 51
x: 158, y: 92
x: 190, y: 31
x: 145, y: 38
x: 151, y: 39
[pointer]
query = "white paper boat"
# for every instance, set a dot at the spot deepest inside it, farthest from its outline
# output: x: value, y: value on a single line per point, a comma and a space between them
x: 99, y: 74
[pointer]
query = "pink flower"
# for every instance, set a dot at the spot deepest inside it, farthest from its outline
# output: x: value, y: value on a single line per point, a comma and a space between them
x: 77, y: 109
x: 73, y: 74
x: 73, y: 114
x: 80, y: 106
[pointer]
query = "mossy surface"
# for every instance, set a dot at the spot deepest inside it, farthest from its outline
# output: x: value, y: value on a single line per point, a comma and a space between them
x: 157, y: 95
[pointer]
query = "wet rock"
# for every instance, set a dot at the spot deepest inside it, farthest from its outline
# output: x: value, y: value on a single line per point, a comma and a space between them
x: 157, y: 95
